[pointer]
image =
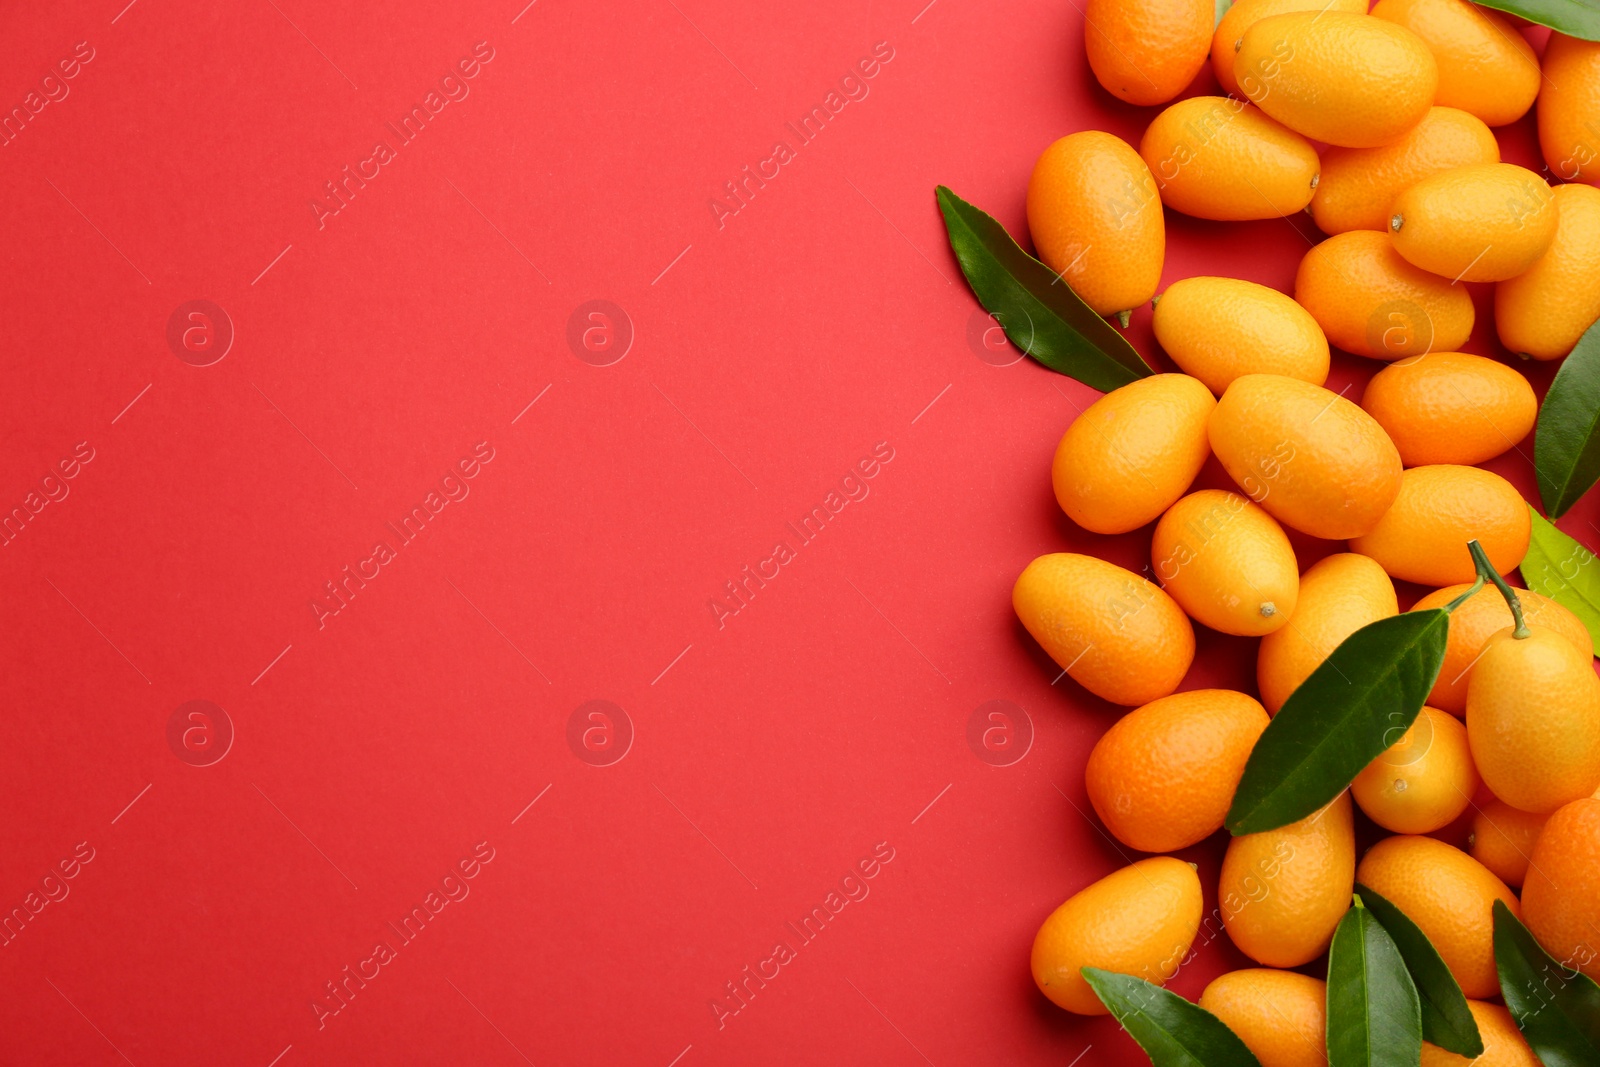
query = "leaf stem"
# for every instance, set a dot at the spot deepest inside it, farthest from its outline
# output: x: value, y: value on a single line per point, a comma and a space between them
x: 1486, y: 570
x: 1470, y: 592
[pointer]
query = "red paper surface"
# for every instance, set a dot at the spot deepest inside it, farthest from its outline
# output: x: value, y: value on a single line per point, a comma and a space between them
x: 623, y: 470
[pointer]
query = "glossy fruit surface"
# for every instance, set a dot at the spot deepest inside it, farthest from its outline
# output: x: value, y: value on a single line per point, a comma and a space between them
x: 1314, y: 460
x: 1450, y: 896
x: 1359, y: 185
x: 1117, y: 634
x: 1163, y: 776
x: 1132, y: 453
x: 1096, y: 220
x: 1451, y: 407
x: 1503, y: 838
x: 1371, y: 302
x: 1339, y: 594
x: 1533, y: 717
x: 1227, y: 563
x: 1140, y: 920
x: 1422, y: 782
x: 1281, y: 1016
x: 1219, y: 329
x: 1561, y: 897
x: 1482, y: 616
x: 1569, y: 99
x: 1215, y: 157
x: 1225, y: 43
x: 1283, y: 891
x: 1485, y: 66
x: 1345, y: 79
x: 1503, y: 1043
x: 1544, y: 310
x: 1423, y: 537
x: 1147, y: 51
x: 1484, y: 222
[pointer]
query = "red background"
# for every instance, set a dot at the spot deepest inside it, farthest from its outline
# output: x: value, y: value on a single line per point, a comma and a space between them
x: 769, y: 355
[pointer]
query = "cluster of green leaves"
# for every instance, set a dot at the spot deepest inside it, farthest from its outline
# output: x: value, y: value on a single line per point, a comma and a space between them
x: 1388, y: 991
x: 1388, y: 988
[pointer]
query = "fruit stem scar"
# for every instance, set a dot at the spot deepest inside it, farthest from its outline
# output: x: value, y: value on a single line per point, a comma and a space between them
x: 1396, y: 221
x: 1268, y: 610
x: 1486, y: 570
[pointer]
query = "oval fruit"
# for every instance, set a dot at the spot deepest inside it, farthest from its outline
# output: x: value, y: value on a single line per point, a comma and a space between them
x: 1215, y: 157
x: 1449, y: 895
x: 1358, y: 185
x: 1140, y: 920
x: 1561, y: 900
x: 1096, y: 220
x: 1503, y: 838
x: 1338, y: 596
x: 1451, y: 407
x: 1423, y: 537
x: 1371, y: 302
x: 1225, y: 43
x: 1484, y: 222
x: 1569, y: 100
x: 1227, y: 563
x: 1503, y: 1043
x: 1346, y: 79
x: 1479, y: 618
x: 1132, y: 453
x: 1118, y: 635
x: 1283, y: 891
x: 1163, y: 776
x: 1485, y: 66
x: 1533, y: 717
x: 1314, y: 460
x: 1147, y: 51
x: 1280, y: 1016
x: 1218, y: 329
x: 1544, y: 310
x: 1424, y: 781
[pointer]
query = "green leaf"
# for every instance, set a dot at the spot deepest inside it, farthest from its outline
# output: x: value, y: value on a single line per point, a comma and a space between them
x: 1575, y: 18
x: 1563, y: 570
x: 1557, y: 1009
x: 1446, y: 1019
x: 1361, y: 700
x: 1566, y: 443
x: 1038, y: 310
x: 1172, y: 1031
x: 1374, y: 1016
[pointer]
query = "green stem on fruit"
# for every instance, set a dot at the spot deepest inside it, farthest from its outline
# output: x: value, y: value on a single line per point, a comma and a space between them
x: 1486, y: 570
x: 1125, y: 317
x: 1471, y: 591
